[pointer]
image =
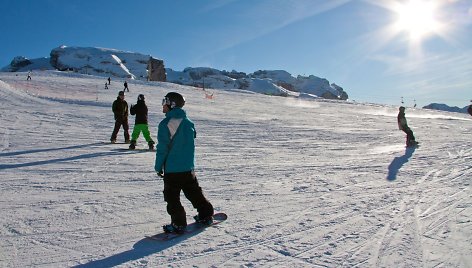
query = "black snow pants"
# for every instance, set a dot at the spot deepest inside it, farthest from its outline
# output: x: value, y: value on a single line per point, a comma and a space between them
x: 188, y: 183
x: 409, y: 135
x: 118, y: 124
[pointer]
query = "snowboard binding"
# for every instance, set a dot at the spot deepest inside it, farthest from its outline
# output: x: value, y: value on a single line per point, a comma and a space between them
x: 173, y: 228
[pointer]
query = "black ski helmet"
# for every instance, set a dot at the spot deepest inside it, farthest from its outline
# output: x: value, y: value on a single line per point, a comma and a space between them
x: 121, y: 93
x: 173, y: 99
x: 141, y: 97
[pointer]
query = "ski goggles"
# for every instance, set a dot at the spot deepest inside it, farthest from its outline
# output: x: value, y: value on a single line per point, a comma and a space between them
x: 165, y: 101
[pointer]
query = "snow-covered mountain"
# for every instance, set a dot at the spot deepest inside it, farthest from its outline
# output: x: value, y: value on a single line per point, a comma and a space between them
x: 445, y: 107
x: 87, y: 60
x: 111, y: 62
x: 305, y: 182
x: 23, y: 64
x: 276, y: 82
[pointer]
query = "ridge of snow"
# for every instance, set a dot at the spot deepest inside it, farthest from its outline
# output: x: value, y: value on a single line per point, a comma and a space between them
x: 118, y: 60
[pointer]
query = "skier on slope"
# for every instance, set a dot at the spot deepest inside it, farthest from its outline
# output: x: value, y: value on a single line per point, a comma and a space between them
x: 402, y: 125
x: 125, y: 84
x: 175, y: 153
x: 140, y: 123
x: 120, y: 111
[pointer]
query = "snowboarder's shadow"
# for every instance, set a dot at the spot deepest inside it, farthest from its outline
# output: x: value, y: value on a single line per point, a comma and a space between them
x: 59, y: 160
x: 141, y: 249
x: 50, y: 149
x: 398, y: 162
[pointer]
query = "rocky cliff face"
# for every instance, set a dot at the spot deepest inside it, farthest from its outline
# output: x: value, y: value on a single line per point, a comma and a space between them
x: 156, y: 70
x: 54, y: 59
x: 18, y: 63
x: 342, y: 94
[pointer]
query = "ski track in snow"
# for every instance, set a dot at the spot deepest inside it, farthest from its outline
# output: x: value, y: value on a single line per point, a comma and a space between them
x: 305, y: 183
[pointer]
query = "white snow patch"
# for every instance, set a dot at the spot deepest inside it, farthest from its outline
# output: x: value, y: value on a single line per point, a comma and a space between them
x: 324, y: 187
x: 122, y: 66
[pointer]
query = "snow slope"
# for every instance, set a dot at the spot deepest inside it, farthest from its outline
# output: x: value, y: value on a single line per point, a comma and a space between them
x: 306, y: 183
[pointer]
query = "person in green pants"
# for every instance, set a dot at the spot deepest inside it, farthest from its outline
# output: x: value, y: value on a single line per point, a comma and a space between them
x: 140, y: 123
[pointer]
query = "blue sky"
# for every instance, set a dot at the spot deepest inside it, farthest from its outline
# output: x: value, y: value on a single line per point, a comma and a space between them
x: 356, y: 44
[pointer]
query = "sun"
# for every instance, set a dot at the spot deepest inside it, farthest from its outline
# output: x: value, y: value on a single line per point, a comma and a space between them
x: 417, y: 18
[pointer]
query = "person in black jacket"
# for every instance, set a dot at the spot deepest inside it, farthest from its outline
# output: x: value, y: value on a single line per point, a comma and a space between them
x: 120, y: 110
x: 402, y: 125
x: 125, y: 84
x: 141, y: 123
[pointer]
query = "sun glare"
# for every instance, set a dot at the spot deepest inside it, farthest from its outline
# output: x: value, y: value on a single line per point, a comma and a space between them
x: 417, y: 18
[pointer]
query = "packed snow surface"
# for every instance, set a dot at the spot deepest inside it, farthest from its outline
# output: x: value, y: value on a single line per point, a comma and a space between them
x: 305, y: 182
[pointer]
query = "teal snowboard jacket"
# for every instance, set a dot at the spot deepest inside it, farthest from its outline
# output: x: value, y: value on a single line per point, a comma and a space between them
x: 175, y: 150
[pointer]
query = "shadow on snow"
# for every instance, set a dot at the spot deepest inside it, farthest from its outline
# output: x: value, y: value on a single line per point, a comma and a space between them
x: 58, y: 160
x: 141, y: 249
x: 398, y: 162
x: 49, y: 149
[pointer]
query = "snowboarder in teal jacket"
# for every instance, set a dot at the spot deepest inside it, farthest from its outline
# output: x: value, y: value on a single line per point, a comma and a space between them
x: 175, y: 154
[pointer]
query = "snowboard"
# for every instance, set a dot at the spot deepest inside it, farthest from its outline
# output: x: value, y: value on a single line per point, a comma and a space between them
x: 118, y: 142
x: 141, y: 149
x: 192, y: 228
x: 136, y: 149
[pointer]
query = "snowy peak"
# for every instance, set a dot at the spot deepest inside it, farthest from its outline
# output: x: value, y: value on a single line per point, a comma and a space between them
x: 100, y: 61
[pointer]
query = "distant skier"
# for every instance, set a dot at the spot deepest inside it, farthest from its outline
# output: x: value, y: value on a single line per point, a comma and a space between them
x: 140, y: 123
x: 126, y: 86
x: 175, y: 153
x: 29, y: 76
x: 109, y: 80
x: 120, y: 111
x: 402, y: 125
x: 106, y: 85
